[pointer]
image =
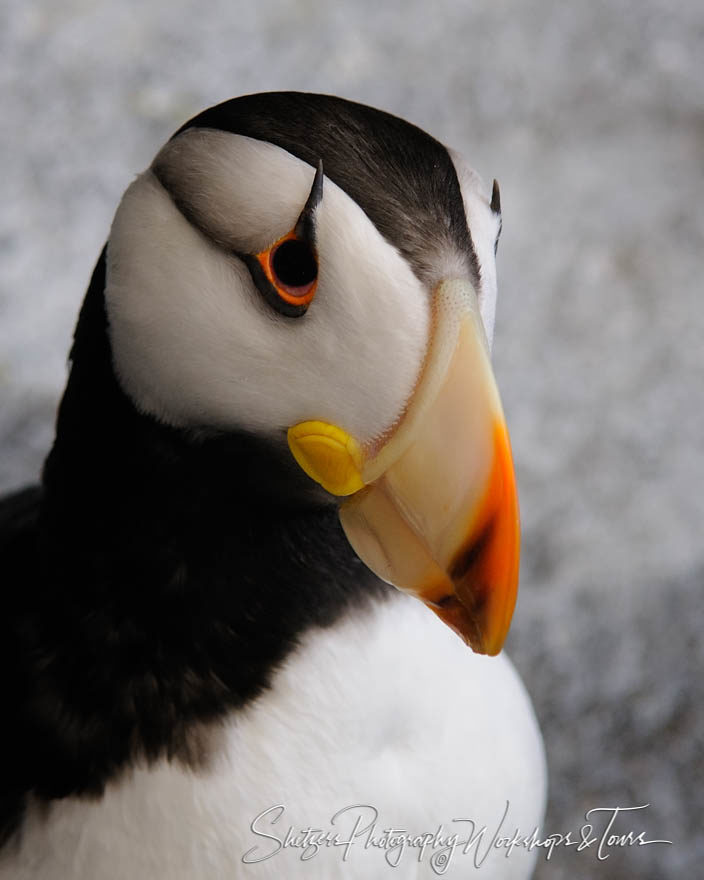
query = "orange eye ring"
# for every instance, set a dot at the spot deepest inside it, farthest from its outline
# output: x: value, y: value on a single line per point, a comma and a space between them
x: 296, y: 295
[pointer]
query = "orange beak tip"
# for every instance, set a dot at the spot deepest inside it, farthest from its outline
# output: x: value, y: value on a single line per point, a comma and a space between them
x: 476, y: 636
x: 466, y: 625
x: 484, y: 572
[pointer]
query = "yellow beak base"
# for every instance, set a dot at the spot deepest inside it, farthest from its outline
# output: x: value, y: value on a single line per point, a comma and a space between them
x: 329, y: 455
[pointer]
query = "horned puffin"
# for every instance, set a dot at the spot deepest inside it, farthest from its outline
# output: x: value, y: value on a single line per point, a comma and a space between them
x: 280, y: 409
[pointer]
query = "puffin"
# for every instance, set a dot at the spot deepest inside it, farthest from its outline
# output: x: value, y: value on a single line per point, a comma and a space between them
x: 253, y: 613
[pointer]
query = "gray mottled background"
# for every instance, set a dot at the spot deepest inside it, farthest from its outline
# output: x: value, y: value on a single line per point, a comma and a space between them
x: 592, y: 117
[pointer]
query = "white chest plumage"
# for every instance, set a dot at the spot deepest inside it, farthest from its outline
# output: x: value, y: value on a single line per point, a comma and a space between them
x: 387, y: 714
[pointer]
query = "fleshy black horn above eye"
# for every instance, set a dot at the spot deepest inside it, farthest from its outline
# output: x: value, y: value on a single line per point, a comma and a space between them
x: 305, y: 227
x: 495, y: 198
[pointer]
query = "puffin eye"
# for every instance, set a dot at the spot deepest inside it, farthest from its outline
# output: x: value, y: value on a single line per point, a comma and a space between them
x: 294, y: 267
x: 286, y: 273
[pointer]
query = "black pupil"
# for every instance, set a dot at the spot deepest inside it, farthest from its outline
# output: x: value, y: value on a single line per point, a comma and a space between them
x: 294, y: 263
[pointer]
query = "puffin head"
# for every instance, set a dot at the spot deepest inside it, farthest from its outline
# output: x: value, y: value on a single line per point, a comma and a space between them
x: 321, y: 275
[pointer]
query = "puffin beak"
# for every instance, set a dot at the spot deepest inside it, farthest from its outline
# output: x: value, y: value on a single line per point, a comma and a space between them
x: 433, y: 508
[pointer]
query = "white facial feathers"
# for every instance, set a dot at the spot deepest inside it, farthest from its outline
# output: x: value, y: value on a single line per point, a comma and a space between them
x: 194, y: 343
x: 484, y: 226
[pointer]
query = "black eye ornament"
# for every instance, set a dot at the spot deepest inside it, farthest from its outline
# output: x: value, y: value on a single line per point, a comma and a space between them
x: 496, y: 208
x: 286, y: 274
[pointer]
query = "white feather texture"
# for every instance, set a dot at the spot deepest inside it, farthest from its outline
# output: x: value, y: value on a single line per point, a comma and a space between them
x: 195, y: 344
x: 387, y: 710
x: 483, y: 226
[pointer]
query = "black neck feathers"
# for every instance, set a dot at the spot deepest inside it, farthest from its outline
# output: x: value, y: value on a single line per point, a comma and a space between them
x: 170, y: 575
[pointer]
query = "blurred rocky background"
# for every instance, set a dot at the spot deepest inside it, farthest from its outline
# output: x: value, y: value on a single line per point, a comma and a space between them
x: 591, y: 115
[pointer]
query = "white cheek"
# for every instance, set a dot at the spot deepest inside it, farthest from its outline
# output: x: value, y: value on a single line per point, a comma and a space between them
x: 195, y: 345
